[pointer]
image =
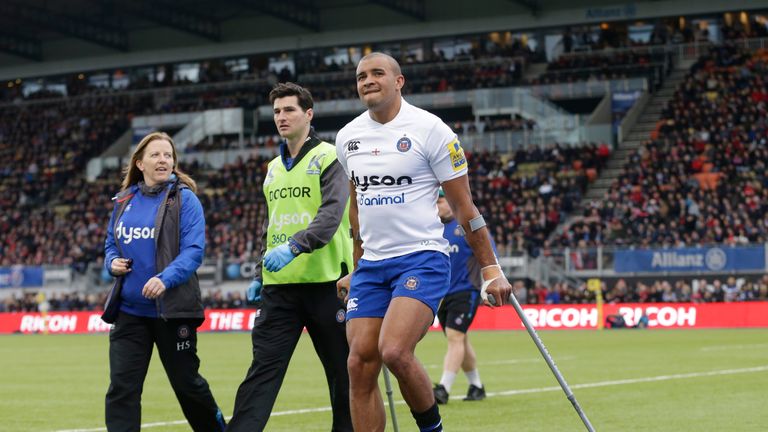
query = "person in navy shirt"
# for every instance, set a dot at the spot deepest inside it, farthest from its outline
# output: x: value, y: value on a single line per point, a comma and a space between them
x: 458, y: 309
x: 155, y: 243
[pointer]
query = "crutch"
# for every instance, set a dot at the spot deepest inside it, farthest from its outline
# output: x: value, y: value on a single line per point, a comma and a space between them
x: 548, y: 359
x: 388, y: 386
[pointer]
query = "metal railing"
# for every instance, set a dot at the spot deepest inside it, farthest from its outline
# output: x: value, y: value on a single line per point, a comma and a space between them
x: 347, y: 74
x: 682, y: 52
x: 509, y: 141
x: 629, y: 120
x: 502, y: 99
x: 245, y: 82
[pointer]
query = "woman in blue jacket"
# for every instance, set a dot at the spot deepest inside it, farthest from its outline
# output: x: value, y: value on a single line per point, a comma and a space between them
x: 155, y: 243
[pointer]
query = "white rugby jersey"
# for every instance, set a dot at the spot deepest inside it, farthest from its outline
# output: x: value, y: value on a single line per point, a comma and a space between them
x: 397, y: 169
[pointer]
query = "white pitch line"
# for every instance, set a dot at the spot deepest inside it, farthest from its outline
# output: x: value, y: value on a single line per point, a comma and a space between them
x: 633, y: 381
x: 498, y: 394
x: 730, y: 347
x: 145, y: 425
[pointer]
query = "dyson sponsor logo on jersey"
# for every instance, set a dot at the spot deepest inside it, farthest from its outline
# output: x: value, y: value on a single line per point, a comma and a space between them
x: 128, y: 234
x: 278, y: 221
x: 365, y: 182
x: 379, y: 200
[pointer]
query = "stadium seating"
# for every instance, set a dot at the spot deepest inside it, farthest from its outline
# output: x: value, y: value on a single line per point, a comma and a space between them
x: 605, y: 66
x: 524, y: 196
x: 701, y: 178
x: 536, y: 187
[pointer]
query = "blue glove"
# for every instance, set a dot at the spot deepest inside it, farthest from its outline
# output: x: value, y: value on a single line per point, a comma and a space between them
x: 278, y: 258
x: 253, y: 293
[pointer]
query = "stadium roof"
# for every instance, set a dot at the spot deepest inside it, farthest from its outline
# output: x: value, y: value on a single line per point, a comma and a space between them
x: 44, y: 35
x: 30, y: 27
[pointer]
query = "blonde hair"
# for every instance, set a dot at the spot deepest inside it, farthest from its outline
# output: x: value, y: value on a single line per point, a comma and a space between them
x: 131, y: 173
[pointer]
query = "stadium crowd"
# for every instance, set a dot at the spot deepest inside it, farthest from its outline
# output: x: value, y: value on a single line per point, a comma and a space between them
x: 606, y: 66
x: 319, y: 66
x: 220, y: 85
x: 44, y: 145
x: 524, y: 195
x: 701, y: 177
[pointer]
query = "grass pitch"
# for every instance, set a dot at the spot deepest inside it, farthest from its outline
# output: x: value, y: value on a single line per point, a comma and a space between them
x: 626, y: 380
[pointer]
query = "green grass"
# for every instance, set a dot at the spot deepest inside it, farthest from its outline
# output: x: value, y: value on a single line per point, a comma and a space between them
x: 50, y: 383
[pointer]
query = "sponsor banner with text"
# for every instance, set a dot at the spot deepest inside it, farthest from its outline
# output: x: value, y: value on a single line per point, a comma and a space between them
x: 715, y: 259
x: 550, y: 317
x: 660, y: 315
x: 21, y: 276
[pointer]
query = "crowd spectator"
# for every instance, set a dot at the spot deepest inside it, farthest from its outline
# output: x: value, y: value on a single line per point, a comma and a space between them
x: 603, y: 66
x: 524, y: 196
x: 701, y: 177
x: 494, y: 123
x: 235, y: 209
x: 221, y: 85
x: 682, y: 290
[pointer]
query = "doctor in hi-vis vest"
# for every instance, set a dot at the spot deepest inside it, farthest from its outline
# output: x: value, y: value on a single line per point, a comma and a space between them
x: 306, y: 248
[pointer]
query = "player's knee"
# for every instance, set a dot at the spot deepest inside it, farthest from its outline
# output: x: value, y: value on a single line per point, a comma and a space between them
x: 455, y: 336
x: 354, y: 363
x: 357, y: 363
x: 363, y: 373
x: 395, y: 356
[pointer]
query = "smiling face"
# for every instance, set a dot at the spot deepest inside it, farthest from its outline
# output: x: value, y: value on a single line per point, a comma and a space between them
x: 157, y: 162
x: 379, y: 81
x: 291, y: 120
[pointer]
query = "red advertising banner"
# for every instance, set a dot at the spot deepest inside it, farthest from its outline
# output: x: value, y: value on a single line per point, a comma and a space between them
x: 660, y: 315
x: 549, y: 317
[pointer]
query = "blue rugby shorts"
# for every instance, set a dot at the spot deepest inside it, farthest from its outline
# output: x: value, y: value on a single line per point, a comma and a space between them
x: 424, y: 276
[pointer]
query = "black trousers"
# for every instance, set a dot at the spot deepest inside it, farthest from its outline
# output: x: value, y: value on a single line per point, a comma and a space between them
x: 285, y: 311
x: 131, y: 342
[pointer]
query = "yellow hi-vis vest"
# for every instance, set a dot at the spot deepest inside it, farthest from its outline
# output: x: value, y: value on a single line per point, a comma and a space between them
x: 293, y: 198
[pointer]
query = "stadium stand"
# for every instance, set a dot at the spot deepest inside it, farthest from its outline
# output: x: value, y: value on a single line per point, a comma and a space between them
x: 654, y: 65
x: 535, y: 186
x: 701, y: 178
x: 524, y: 196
